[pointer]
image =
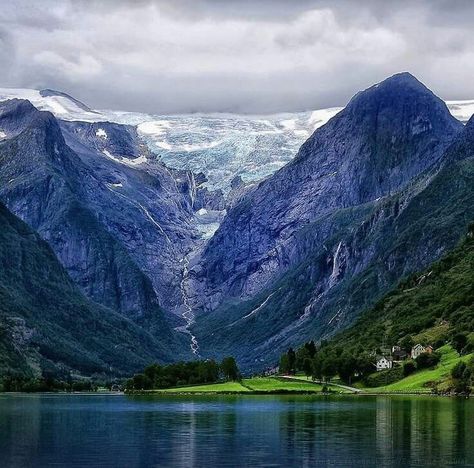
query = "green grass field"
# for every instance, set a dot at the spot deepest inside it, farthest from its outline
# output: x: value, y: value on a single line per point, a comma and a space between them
x: 420, y: 381
x: 271, y: 384
x: 225, y: 387
x: 417, y: 382
x: 255, y: 384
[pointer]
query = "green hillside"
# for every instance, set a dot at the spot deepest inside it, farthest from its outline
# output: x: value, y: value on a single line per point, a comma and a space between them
x: 423, y: 380
x: 434, y: 307
x: 48, y: 327
x: 431, y: 306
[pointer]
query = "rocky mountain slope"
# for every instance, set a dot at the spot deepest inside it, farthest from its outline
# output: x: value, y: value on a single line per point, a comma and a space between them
x: 47, y: 325
x: 381, y: 190
x: 223, y: 146
x: 121, y: 233
x: 432, y: 305
x: 371, y: 196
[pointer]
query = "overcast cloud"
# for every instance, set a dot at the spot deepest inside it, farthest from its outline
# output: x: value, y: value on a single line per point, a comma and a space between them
x: 238, y: 55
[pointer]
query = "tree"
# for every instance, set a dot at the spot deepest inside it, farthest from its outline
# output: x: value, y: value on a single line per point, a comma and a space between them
x: 365, y: 364
x: 425, y: 360
x: 317, y: 367
x: 229, y: 369
x: 284, y: 364
x: 153, y: 372
x: 462, y: 377
x: 408, y: 368
x: 291, y: 360
x: 328, y: 368
x: 301, y: 355
x: 311, y: 347
x: 406, y: 343
x: 346, y: 366
x: 141, y: 382
x: 459, y: 342
x: 470, y: 366
x: 308, y: 366
x: 208, y: 371
x: 458, y: 370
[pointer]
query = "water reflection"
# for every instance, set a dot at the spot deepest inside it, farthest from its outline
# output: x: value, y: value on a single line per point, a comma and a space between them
x: 117, y: 431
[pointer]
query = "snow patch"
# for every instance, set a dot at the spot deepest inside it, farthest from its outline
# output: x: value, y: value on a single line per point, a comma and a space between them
x: 101, y: 133
x: 129, y: 162
x: 60, y: 106
x: 321, y: 117
x: 155, y: 127
x: 462, y: 110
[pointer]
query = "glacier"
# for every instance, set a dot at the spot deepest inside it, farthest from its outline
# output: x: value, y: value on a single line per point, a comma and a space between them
x: 222, y: 146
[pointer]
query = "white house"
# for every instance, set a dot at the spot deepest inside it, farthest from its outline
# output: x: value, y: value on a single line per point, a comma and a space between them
x: 420, y: 349
x: 384, y: 363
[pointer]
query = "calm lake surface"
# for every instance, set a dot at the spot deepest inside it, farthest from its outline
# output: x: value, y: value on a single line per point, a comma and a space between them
x: 121, y: 431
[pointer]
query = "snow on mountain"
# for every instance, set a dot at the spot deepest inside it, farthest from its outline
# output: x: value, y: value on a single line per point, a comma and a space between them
x: 222, y: 146
x: 462, y: 110
x: 60, y: 104
x: 226, y: 146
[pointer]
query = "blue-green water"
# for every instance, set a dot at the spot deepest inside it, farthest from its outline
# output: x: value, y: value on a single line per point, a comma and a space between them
x: 121, y: 431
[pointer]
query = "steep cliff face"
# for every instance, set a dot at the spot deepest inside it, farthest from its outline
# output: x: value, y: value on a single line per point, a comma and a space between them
x: 46, y: 323
x: 146, y: 207
x: 381, y: 190
x: 359, y: 207
x: 386, y: 135
x: 119, y: 232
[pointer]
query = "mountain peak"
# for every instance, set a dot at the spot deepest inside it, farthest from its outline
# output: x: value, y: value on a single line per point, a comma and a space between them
x: 401, y: 106
x: 397, y: 90
x: 53, y: 93
x: 405, y: 78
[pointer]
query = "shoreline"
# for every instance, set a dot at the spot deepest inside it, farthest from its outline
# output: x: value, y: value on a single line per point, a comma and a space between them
x: 289, y: 393
x: 236, y: 393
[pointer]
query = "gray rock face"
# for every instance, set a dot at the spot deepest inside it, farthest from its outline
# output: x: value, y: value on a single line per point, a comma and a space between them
x: 385, y: 137
x: 304, y: 252
x: 46, y: 323
x: 119, y: 231
x: 384, y: 188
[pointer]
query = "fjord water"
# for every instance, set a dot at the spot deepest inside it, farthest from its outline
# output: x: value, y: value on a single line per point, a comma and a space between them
x: 116, y: 430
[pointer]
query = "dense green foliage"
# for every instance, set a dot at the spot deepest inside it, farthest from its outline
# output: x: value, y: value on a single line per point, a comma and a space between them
x: 184, y: 373
x: 432, y: 380
x: 433, y: 307
x: 45, y: 384
x: 463, y: 376
x: 48, y: 327
x: 229, y: 369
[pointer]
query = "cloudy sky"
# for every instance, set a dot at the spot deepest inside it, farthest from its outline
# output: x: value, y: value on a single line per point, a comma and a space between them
x: 254, y: 56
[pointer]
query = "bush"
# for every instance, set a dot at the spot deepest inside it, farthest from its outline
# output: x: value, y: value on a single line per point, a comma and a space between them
x: 426, y: 360
x: 408, y: 368
x: 459, y: 341
x: 385, y: 377
x: 458, y: 370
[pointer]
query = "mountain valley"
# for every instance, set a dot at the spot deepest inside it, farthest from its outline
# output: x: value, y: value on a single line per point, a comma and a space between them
x: 207, y: 235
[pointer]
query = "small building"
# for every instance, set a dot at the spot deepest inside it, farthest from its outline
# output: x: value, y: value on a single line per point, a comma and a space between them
x: 420, y: 349
x: 383, y: 363
x: 271, y: 371
x: 395, y: 348
x: 399, y: 354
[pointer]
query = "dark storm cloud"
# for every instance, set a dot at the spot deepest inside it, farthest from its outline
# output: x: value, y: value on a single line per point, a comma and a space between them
x: 167, y: 56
